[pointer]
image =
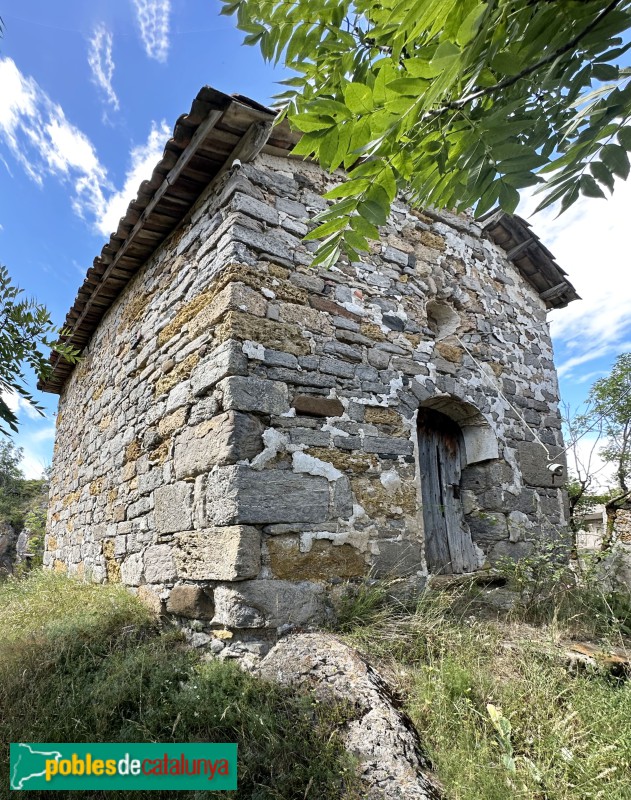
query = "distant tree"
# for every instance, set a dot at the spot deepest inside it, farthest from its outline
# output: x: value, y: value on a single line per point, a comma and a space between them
x: 611, y: 401
x: 26, y: 331
x: 607, y: 418
x: 462, y: 103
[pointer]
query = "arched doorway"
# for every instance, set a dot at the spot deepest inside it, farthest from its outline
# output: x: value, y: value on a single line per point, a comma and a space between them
x: 448, y: 545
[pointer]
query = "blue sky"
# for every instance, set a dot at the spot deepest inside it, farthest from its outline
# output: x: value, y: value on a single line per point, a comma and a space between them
x: 89, y: 93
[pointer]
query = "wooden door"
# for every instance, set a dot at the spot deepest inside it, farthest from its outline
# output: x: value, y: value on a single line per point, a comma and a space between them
x: 448, y: 545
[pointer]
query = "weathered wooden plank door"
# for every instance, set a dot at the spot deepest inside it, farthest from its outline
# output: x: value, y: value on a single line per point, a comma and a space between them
x: 448, y: 545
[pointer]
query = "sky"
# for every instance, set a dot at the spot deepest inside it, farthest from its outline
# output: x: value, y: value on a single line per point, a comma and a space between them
x: 89, y: 94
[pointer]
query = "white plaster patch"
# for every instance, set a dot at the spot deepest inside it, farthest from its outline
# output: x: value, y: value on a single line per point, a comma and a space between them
x: 274, y: 441
x: 268, y: 292
x: 358, y: 539
x: 390, y: 480
x: 335, y: 431
x: 290, y: 413
x: 314, y: 466
x: 253, y: 350
x: 395, y: 385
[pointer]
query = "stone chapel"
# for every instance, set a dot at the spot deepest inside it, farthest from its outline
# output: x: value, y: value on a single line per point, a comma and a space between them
x: 244, y: 433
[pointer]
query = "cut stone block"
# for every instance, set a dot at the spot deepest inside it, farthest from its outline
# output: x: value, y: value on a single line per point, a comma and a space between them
x: 173, y: 508
x: 230, y: 553
x: 159, y: 564
x: 227, y: 359
x: 192, y: 602
x: 224, y: 439
x: 240, y: 495
x: 534, y: 465
x: 315, y: 406
x: 269, y: 604
x: 325, y: 560
x: 254, y: 394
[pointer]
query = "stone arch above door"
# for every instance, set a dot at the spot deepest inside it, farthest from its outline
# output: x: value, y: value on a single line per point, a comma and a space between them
x: 480, y: 440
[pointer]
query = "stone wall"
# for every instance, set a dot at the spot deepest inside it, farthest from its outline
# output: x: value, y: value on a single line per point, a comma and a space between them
x: 240, y: 434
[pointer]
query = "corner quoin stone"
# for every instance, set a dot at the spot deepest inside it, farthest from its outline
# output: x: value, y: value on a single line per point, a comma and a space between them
x: 254, y: 394
x: 269, y: 604
x: 173, y: 508
x: 230, y: 553
x: 240, y: 495
x: 224, y: 439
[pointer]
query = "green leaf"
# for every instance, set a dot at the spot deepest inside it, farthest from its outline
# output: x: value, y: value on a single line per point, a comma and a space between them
x: 332, y: 226
x: 624, y: 137
x: 615, y: 157
x: 358, y: 98
x: 508, y: 197
x: 356, y: 240
x: 363, y: 227
x: 311, y: 122
x: 602, y: 174
x: 605, y: 72
x: 445, y: 53
x: 350, y: 188
x: 590, y: 188
x: 373, y: 212
x: 470, y: 25
x: 507, y: 62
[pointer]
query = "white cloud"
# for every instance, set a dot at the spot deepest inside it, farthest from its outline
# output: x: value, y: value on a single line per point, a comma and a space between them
x: 18, y: 405
x: 584, y: 459
x: 588, y: 242
x: 143, y: 159
x: 153, y: 19
x: 45, y: 144
x: 102, y: 64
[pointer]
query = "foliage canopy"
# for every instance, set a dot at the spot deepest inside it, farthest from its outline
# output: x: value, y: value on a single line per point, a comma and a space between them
x: 462, y: 103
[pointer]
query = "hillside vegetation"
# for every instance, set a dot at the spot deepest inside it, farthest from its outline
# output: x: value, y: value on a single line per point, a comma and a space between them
x: 499, y: 712
x: 87, y: 663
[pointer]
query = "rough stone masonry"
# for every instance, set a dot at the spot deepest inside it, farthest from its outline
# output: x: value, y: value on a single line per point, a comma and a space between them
x: 240, y: 436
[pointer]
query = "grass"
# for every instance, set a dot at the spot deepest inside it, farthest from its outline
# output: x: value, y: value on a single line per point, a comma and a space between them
x: 86, y: 663
x: 555, y: 735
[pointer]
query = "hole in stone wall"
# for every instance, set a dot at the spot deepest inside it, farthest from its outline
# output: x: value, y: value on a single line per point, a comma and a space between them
x: 442, y: 320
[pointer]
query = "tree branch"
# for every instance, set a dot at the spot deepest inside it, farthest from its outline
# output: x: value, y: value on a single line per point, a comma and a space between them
x: 463, y: 101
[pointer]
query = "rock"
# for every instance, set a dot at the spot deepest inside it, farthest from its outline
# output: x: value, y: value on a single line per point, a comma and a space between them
x: 219, y: 554
x: 254, y: 394
x: 533, y: 460
x: 224, y: 439
x: 269, y: 604
x: 131, y: 569
x: 159, y: 564
x: 315, y: 406
x: 385, y: 742
x: 227, y: 359
x: 398, y: 559
x: 173, y: 508
x: 192, y: 602
x: 323, y: 561
x: 240, y: 495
